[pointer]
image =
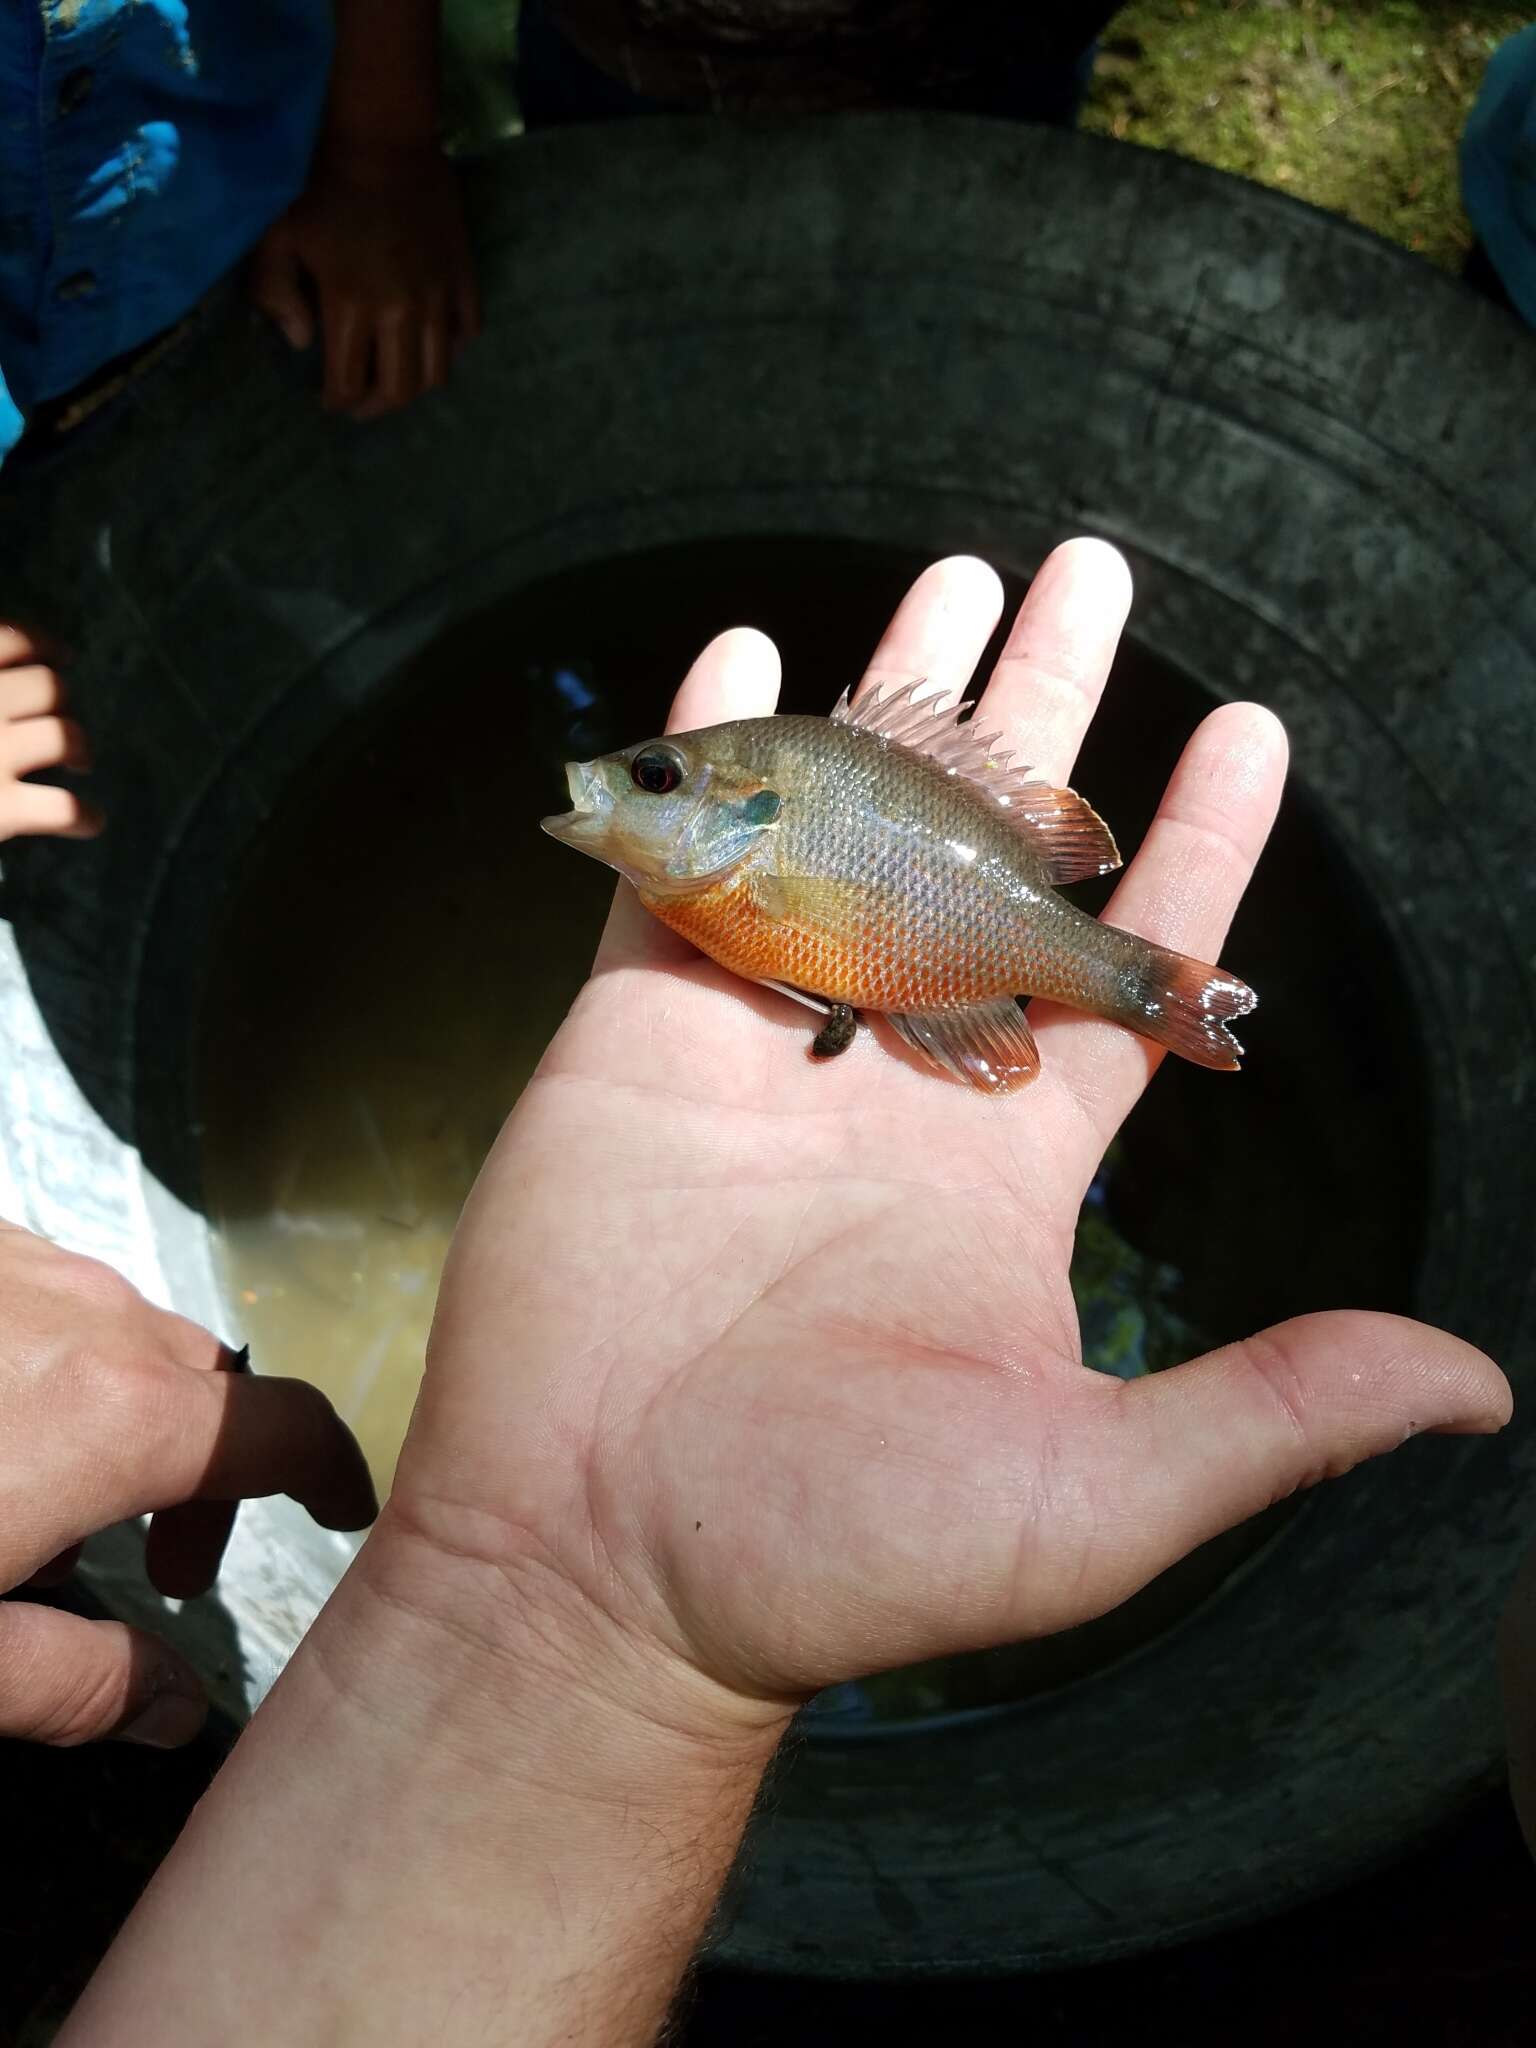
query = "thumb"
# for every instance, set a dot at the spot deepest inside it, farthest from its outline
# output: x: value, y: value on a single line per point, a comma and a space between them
x: 1194, y: 1451
x: 277, y: 287
x: 65, y: 1680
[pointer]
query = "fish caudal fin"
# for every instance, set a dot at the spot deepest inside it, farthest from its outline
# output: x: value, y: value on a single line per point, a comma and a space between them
x: 1186, y: 1005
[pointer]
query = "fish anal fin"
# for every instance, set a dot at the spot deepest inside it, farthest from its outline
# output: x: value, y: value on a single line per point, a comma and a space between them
x: 989, y: 1046
x: 1066, y: 834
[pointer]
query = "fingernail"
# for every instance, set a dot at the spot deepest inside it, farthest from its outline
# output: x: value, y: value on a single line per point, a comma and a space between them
x: 170, y: 1719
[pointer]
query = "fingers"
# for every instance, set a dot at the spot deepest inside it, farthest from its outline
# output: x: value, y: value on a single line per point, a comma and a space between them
x: 20, y: 644
x: 737, y: 676
x: 64, y: 1680
x: 1048, y: 680
x: 30, y: 742
x: 33, y: 743
x: 397, y: 350
x: 149, y: 1437
x: 348, y: 354
x: 186, y: 1544
x: 378, y: 362
x: 27, y: 692
x: 1051, y: 673
x: 31, y: 809
x: 252, y: 1436
x: 277, y: 286
x: 1181, y: 890
x: 377, y: 244
x: 58, y: 1569
x: 939, y: 631
x: 1186, y: 1454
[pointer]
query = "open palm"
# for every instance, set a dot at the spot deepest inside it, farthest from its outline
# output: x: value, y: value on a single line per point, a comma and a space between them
x: 777, y: 1360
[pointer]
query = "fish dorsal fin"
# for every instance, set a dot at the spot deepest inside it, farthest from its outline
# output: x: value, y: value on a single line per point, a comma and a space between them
x: 1067, y: 834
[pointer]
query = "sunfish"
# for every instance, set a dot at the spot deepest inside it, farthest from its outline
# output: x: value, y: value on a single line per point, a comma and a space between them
x: 885, y: 859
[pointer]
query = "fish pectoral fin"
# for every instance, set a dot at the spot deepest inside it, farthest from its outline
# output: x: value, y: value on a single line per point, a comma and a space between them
x: 988, y: 1045
x: 822, y: 902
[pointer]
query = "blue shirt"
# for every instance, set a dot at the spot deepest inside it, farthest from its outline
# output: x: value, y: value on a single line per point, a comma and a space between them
x: 1498, y: 167
x: 144, y: 147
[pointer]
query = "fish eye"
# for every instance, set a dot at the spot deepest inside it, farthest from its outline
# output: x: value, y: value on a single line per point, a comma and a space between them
x: 657, y: 770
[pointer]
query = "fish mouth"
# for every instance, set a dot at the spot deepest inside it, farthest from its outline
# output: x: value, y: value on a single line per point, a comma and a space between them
x: 586, y: 790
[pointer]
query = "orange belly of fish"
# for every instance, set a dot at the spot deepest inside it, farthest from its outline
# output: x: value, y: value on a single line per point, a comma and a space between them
x: 857, y: 966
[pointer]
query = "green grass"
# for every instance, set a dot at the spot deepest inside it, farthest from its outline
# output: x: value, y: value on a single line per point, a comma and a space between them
x: 1355, y: 107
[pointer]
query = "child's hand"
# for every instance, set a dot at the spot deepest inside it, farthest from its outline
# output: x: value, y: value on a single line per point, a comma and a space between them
x: 377, y: 245
x: 34, y: 736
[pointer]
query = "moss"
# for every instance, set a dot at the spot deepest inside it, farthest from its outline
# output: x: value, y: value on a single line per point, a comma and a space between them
x: 1356, y: 107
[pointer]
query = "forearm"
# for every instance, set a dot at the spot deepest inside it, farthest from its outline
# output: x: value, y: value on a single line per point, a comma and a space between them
x: 465, y: 1813
x: 385, y: 75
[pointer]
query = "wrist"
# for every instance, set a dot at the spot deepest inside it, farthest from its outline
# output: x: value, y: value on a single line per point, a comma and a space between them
x: 385, y: 74
x: 492, y: 1650
x: 489, y: 1814
x: 372, y: 162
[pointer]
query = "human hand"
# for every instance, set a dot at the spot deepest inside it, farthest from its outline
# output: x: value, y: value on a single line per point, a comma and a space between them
x: 110, y: 1408
x: 377, y: 244
x: 748, y: 1375
x: 34, y: 736
x: 773, y: 1367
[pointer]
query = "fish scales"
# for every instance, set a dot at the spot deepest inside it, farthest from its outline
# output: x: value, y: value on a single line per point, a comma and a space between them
x: 943, y: 902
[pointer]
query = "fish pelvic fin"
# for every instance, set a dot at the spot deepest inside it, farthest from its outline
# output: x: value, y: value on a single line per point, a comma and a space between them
x: 1066, y: 834
x: 989, y: 1046
x: 1186, y: 1006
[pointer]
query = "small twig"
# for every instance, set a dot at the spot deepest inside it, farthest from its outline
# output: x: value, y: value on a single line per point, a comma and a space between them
x: 1382, y: 85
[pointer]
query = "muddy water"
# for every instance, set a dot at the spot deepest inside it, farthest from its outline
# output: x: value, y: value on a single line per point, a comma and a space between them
x: 340, y: 1156
x: 407, y: 941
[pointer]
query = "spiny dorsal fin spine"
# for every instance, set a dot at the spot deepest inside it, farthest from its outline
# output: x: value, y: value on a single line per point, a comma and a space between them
x: 1065, y: 832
